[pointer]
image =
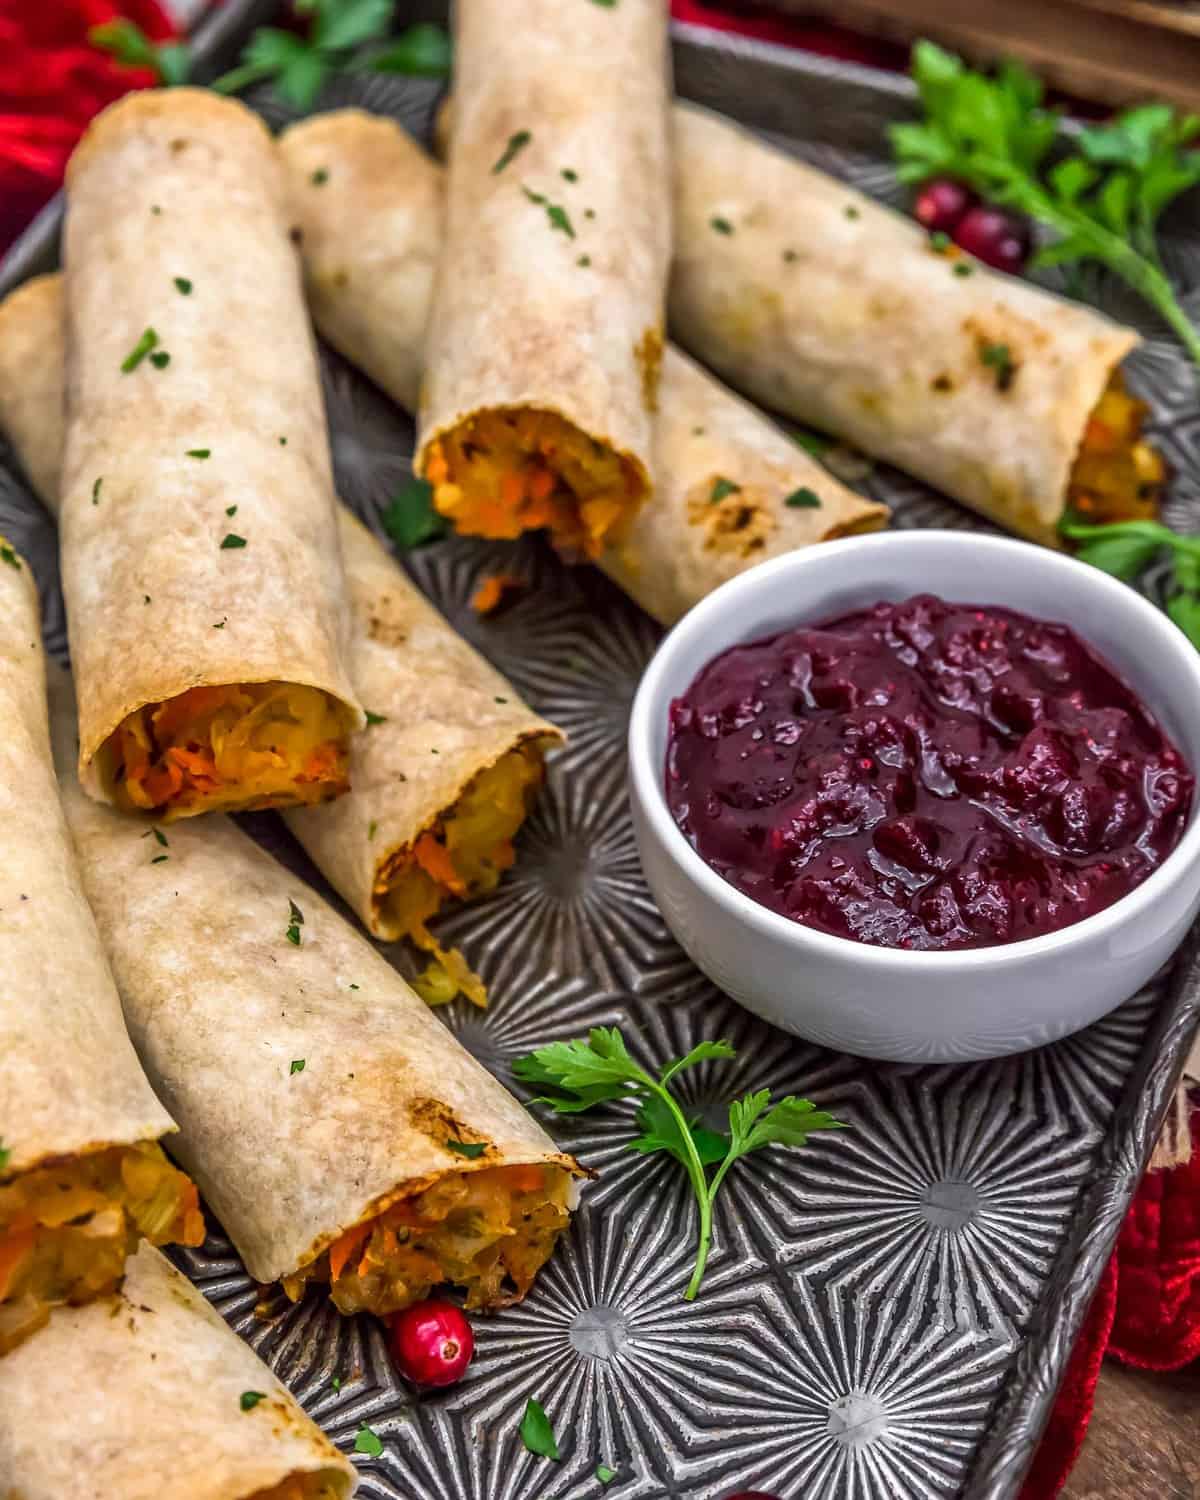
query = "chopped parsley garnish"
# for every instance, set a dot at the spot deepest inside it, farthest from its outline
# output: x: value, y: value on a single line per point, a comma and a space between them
x: 139, y: 351
x: 158, y: 859
x: 851, y: 211
x: 963, y: 268
x: 231, y: 541
x: 804, y: 499
x: 158, y: 836
x: 606, y: 4
x: 294, y: 926
x: 283, y: 442
x: 939, y: 241
x: 578, y: 1075
x: 145, y: 598
x: 589, y: 213
x: 722, y: 226
x: 367, y: 1442
x: 250, y: 1399
x: 336, y: 1382
x: 221, y: 623
x: 183, y: 286
x: 569, y: 174
x: 7, y: 555
x: 789, y: 256
x: 96, y: 490
x: 354, y: 986
x: 555, y: 212
x: 516, y: 144
x: 536, y: 1431
x: 584, y: 260
x: 154, y: 208
x: 320, y: 177
x: 375, y: 718
x: 160, y: 359
x: 721, y: 488
x: 998, y: 357
x: 297, y: 1066
x: 411, y: 520
x: 604, y: 1474
x: 501, y: 700
x: 372, y: 830
x: 231, y: 510
x: 198, y: 453
x: 5, y: 1153
x: 472, y: 1150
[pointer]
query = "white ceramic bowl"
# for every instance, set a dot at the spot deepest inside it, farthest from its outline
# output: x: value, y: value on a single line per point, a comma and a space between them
x: 891, y: 1003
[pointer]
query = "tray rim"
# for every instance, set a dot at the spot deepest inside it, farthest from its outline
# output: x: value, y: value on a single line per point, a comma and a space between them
x: 1025, y: 1399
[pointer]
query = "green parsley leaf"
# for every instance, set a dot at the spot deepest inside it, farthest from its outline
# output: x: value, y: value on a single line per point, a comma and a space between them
x: 7, y: 555
x: 336, y: 1382
x: 939, y: 241
x: 320, y: 177
x: 198, y: 453
x: 604, y: 1474
x: 963, y: 268
x: 722, y: 226
x: 569, y: 174
x: 283, y: 442
x: 536, y: 1431
x: 231, y: 510
x: 998, y: 357
x: 183, y: 286
x: 96, y: 490
x: 297, y: 922
x: 230, y: 542
x: 662, y: 1131
x: 606, y: 4
x: 160, y: 359
x: 5, y: 1153
x: 160, y: 837
x: 411, y: 520
x: 422, y: 51
x: 129, y: 45
x: 297, y: 1065
x: 516, y: 144
x: 139, y: 351
x: 1184, y: 609
x: 500, y: 700
x: 721, y: 488
x: 372, y: 829
x: 804, y: 499
x: 250, y: 1399
x: 221, y: 623
x: 584, y: 260
x: 555, y: 212
x: 158, y: 859
x: 472, y: 1150
x: 852, y: 211
x: 367, y: 1442
x: 375, y: 718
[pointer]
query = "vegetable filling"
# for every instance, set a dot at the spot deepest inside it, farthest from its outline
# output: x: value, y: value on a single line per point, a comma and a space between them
x: 263, y: 744
x: 66, y: 1230
x: 503, y: 472
x: 300, y: 1487
x: 488, y: 1232
x: 462, y: 855
x: 1117, y: 475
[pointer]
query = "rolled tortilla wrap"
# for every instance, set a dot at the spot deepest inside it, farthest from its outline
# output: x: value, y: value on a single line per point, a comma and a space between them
x: 836, y: 311
x: 451, y: 757
x: 331, y: 1121
x: 366, y: 205
x: 546, y: 333
x: 81, y: 1175
x: 199, y: 548
x: 141, y: 1395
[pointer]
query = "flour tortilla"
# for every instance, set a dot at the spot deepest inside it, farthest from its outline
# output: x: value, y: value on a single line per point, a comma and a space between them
x: 138, y: 1395
x: 836, y: 311
x: 432, y: 690
x: 168, y: 185
x: 366, y: 204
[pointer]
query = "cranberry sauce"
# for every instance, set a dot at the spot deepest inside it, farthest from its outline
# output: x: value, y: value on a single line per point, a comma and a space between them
x: 925, y: 775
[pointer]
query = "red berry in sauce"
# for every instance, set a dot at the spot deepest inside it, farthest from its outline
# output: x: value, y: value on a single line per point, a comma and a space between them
x: 941, y: 203
x: 997, y: 238
x: 432, y: 1343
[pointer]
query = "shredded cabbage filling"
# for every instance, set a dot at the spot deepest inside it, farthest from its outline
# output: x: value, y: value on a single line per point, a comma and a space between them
x: 488, y: 1231
x: 263, y: 744
x: 503, y: 472
x: 66, y: 1230
x: 1118, y: 475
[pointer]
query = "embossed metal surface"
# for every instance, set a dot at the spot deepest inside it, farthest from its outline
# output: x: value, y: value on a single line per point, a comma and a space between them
x: 887, y: 1312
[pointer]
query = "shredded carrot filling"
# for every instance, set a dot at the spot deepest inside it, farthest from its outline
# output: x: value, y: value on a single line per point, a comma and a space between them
x: 507, y: 471
x: 267, y: 744
x: 1118, y: 475
x: 463, y: 855
x: 488, y: 1231
x: 299, y: 1487
x: 492, y: 591
x: 66, y: 1230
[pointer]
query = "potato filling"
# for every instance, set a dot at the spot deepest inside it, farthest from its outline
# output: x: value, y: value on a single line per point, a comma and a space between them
x: 67, y: 1229
x: 299, y: 1487
x: 489, y: 1232
x: 506, y: 471
x: 1117, y: 475
x: 264, y: 744
x: 462, y: 855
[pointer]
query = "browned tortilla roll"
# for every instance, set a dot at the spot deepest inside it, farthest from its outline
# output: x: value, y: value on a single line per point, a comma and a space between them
x: 333, y: 1123
x: 546, y: 334
x: 148, y: 1394
x: 824, y: 305
x: 199, y: 548
x: 451, y: 756
x: 81, y: 1175
x: 732, y: 489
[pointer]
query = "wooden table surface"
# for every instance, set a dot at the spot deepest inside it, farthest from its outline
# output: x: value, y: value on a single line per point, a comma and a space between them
x: 1144, y: 1441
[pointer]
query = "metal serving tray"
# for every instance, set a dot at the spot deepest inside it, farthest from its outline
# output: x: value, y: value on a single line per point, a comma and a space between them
x: 888, y: 1312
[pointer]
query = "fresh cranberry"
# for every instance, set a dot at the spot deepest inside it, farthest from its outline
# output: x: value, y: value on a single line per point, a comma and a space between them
x: 941, y: 203
x: 432, y: 1343
x: 995, y: 237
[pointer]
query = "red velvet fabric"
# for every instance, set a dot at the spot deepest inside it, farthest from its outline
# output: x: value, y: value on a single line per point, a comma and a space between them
x: 1147, y: 1308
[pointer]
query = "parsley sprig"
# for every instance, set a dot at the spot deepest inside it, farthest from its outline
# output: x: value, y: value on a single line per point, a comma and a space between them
x: 1125, y: 548
x: 580, y: 1074
x: 1102, y: 201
